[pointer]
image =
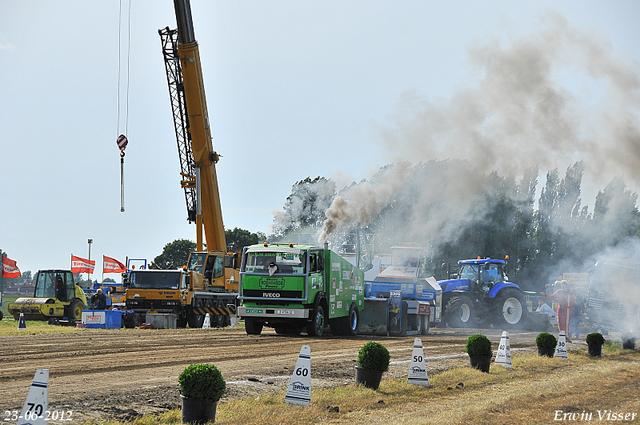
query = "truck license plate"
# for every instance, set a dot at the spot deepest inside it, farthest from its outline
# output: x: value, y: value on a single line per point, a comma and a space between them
x: 291, y: 312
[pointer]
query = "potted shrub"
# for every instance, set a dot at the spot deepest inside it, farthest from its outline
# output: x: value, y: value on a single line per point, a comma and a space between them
x: 628, y: 341
x: 595, y: 341
x: 373, y: 361
x: 546, y: 344
x: 479, y: 350
x: 201, y: 386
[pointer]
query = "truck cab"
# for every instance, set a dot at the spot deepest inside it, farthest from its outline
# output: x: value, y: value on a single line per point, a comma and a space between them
x: 292, y: 287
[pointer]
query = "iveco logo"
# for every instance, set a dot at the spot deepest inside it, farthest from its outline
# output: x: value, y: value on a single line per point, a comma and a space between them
x: 271, y: 295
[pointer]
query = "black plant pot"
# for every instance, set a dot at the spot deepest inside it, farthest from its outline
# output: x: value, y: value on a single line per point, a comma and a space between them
x: 196, y: 411
x: 629, y: 344
x: 546, y: 351
x: 368, y: 377
x: 595, y: 350
x: 480, y: 362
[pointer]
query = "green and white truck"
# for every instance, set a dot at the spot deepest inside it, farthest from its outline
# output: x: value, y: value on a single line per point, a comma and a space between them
x: 294, y: 287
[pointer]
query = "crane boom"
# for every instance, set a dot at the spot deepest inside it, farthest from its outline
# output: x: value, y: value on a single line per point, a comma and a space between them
x: 169, y: 39
x: 204, y: 157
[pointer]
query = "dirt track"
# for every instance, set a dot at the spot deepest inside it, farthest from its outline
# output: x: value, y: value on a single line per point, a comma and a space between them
x: 121, y: 374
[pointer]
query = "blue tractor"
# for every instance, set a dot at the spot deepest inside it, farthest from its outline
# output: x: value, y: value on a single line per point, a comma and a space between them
x: 481, y: 295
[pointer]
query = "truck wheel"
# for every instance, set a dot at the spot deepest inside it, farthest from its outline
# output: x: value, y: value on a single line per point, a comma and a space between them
x: 351, y: 322
x: 181, y: 318
x: 129, y: 321
x: 195, y: 320
x: 74, y: 311
x: 316, y: 327
x: 181, y: 322
x: 424, y: 324
x: 510, y: 310
x: 252, y: 326
x: 459, y: 312
x: 1, y: 315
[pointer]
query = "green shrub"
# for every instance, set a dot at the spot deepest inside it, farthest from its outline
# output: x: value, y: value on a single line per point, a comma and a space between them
x: 202, y: 381
x: 479, y: 345
x: 375, y: 356
x: 546, y: 340
x: 595, y: 338
x: 628, y: 341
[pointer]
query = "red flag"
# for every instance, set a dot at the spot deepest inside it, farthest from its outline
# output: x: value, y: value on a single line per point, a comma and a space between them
x: 111, y: 265
x: 9, y: 268
x: 81, y: 265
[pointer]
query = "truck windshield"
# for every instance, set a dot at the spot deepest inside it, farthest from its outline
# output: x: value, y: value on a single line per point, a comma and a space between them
x: 155, y: 279
x: 258, y: 262
x: 196, y: 262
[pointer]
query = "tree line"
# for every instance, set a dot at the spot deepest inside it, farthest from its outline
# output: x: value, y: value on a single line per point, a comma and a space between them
x: 457, y: 210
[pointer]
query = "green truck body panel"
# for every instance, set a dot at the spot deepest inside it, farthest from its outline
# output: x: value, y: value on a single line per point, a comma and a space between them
x: 303, y: 274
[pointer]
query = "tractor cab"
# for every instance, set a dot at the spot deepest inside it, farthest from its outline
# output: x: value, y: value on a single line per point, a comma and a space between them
x: 55, y: 284
x: 482, y: 274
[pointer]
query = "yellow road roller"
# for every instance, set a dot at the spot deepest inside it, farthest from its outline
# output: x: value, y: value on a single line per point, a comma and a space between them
x: 56, y: 296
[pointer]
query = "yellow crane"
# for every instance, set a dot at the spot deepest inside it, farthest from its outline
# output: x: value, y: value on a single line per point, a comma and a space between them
x: 210, y: 281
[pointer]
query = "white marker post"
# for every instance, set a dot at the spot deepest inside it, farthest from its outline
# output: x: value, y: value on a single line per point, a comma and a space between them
x: 207, y: 322
x: 299, y: 391
x: 418, y: 368
x: 503, y: 357
x: 561, y: 348
x: 35, y: 407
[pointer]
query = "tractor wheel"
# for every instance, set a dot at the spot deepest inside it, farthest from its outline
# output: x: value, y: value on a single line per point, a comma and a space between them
x: 510, y: 308
x: 74, y: 310
x: 318, y: 321
x: 459, y: 312
x: 253, y: 326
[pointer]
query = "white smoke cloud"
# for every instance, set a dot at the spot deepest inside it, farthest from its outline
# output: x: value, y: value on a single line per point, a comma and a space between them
x: 529, y: 110
x: 359, y: 204
x: 534, y: 106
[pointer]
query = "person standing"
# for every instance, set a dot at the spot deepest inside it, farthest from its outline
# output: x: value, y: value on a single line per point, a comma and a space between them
x: 565, y: 299
x: 99, y: 300
x: 576, y: 312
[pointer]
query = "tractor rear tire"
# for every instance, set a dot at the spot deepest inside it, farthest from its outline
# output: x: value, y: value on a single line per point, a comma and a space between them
x: 459, y: 312
x: 510, y: 308
x: 253, y: 326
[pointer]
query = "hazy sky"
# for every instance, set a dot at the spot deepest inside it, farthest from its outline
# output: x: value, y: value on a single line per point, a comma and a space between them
x: 294, y: 89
